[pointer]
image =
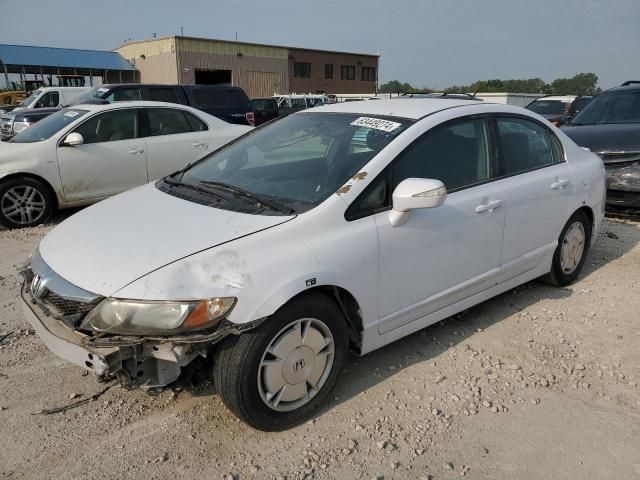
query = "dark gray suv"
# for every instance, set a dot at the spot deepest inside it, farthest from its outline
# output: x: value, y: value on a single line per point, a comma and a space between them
x: 610, y: 126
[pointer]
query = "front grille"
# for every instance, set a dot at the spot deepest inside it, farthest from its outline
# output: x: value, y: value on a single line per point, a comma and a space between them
x: 619, y: 158
x: 5, y: 127
x: 62, y: 307
x: 55, y: 296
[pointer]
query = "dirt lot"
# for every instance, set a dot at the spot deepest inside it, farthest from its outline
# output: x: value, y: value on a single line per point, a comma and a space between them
x: 537, y: 383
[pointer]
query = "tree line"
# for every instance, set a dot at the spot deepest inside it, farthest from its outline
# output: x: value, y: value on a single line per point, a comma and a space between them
x: 580, y: 84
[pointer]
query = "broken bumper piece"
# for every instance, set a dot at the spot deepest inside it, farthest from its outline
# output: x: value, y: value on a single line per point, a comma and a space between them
x: 148, y: 362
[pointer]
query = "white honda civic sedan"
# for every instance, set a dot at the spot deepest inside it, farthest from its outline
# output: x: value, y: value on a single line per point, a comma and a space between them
x: 345, y: 227
x: 83, y: 154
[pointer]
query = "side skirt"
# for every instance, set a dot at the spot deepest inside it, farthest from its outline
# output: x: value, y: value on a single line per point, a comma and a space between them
x: 372, y: 339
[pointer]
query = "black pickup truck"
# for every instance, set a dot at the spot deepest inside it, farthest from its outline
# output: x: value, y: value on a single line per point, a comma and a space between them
x: 228, y: 103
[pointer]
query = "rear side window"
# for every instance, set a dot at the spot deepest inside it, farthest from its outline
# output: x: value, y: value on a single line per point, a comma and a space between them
x: 298, y: 103
x: 525, y: 145
x: 263, y: 104
x: 162, y: 94
x: 124, y: 95
x: 219, y: 98
x: 169, y: 121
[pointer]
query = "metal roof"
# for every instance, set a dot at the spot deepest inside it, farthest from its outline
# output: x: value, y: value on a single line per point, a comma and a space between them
x: 414, y: 108
x: 62, y: 57
x: 231, y: 42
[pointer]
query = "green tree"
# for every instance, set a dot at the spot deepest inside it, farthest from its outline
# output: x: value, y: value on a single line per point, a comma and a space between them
x: 394, y: 86
x: 580, y: 84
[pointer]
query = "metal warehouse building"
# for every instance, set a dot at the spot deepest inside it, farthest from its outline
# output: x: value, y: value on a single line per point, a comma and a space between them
x: 261, y: 70
x: 26, y: 60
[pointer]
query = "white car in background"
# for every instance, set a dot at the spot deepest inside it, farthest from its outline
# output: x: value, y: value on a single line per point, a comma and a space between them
x: 343, y: 226
x: 86, y: 153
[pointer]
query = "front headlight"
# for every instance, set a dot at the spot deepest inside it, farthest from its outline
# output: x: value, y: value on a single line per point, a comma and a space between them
x: 133, y: 317
x: 20, y: 126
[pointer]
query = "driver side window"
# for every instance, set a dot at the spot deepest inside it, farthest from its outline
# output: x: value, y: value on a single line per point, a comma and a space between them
x: 457, y: 154
x: 49, y: 99
x: 110, y: 126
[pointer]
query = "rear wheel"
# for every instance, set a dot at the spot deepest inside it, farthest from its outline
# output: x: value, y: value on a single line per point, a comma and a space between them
x: 280, y: 374
x: 24, y: 202
x: 569, y: 257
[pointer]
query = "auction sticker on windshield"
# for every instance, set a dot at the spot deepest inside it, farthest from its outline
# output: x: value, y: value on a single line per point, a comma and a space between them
x: 376, y: 123
x: 71, y: 114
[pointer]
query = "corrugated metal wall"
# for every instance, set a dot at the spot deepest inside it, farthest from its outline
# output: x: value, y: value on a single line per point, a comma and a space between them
x: 147, y: 47
x: 259, y: 70
x: 154, y: 59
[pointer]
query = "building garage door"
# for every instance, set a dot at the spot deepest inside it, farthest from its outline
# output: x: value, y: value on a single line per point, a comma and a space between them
x: 263, y: 84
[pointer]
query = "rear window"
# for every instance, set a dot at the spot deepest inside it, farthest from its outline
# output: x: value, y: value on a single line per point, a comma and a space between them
x: 263, y: 104
x: 219, y: 98
x: 549, y: 107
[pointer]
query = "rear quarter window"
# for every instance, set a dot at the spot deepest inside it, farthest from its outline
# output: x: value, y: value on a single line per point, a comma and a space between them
x: 219, y: 98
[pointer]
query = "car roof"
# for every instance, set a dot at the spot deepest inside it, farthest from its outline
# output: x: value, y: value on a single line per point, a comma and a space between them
x: 93, y: 107
x: 414, y: 109
x: 562, y: 98
x: 632, y: 85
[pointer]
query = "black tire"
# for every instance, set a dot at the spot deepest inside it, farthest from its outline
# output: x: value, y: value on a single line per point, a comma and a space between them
x: 557, y: 276
x: 24, y: 216
x: 237, y: 362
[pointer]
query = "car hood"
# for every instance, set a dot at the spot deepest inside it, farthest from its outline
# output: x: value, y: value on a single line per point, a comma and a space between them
x: 109, y: 245
x: 8, y: 149
x: 606, y: 137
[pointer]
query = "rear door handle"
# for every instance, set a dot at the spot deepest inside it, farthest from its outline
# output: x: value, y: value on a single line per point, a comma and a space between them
x: 136, y: 150
x: 559, y: 184
x: 489, y: 206
x: 198, y: 144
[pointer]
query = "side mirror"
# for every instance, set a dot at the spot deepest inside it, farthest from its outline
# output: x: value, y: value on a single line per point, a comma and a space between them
x: 73, y: 139
x: 415, y: 193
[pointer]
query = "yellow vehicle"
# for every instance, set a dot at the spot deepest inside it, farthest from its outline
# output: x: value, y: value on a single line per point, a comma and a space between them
x: 11, y: 98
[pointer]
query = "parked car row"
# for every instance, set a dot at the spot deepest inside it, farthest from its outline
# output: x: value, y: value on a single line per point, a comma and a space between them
x: 278, y: 253
x: 228, y: 103
x: 559, y: 109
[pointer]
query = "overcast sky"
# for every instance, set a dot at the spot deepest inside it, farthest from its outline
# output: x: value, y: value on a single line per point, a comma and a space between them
x: 431, y: 43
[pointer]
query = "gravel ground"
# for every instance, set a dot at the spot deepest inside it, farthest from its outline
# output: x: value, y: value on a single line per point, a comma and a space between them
x: 537, y: 383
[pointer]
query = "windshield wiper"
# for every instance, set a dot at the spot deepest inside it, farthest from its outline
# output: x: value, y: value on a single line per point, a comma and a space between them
x: 172, y: 181
x: 249, y: 195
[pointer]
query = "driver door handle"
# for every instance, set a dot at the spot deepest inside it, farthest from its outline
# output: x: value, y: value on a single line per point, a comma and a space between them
x: 559, y: 184
x: 489, y: 206
x: 136, y: 150
x: 198, y: 144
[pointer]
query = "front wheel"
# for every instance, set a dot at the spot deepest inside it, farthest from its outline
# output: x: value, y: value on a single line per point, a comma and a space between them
x: 571, y: 252
x: 280, y: 374
x: 24, y: 202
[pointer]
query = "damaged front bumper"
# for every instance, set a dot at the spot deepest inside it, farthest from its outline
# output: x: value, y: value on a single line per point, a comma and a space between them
x: 148, y: 362
x: 623, y: 184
